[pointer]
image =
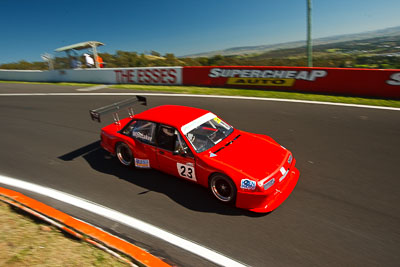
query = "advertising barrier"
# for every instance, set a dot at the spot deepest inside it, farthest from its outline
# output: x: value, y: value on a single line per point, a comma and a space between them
x: 355, y: 82
x: 151, y: 75
x: 352, y: 82
x: 161, y: 76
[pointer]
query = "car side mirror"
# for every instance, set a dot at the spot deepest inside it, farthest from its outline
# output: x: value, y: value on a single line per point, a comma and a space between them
x: 180, y: 153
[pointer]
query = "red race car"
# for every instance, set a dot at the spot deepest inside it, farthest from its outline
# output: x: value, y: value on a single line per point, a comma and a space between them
x: 249, y: 170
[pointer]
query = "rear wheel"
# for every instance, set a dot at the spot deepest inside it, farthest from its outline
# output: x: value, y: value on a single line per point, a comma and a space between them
x: 124, y: 154
x: 223, y: 188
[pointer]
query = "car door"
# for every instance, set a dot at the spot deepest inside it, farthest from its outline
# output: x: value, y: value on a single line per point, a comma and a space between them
x: 173, y: 154
x: 142, y: 137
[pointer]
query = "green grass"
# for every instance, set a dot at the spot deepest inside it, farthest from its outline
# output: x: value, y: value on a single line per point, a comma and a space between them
x: 261, y: 93
x: 242, y: 92
x: 62, y: 83
x: 25, y: 241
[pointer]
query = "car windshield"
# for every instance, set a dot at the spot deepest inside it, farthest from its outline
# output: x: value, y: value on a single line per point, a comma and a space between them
x: 208, y: 133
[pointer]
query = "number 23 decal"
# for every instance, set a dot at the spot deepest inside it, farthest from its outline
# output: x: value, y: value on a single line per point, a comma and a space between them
x: 186, y: 171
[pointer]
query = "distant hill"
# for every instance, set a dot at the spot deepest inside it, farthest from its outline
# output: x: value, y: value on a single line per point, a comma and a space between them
x: 246, y: 50
x: 375, y: 49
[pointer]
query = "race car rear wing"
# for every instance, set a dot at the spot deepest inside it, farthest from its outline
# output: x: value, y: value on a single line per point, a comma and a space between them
x: 95, y: 114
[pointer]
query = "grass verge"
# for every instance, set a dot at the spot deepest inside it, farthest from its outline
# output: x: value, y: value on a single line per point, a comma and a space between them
x: 242, y: 92
x: 27, y: 242
x: 62, y: 83
x: 263, y: 94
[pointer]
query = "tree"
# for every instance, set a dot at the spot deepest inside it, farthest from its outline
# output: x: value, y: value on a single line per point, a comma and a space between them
x: 154, y: 53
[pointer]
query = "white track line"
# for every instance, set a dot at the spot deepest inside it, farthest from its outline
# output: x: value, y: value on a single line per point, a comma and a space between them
x: 92, y: 88
x: 205, y: 96
x: 137, y: 224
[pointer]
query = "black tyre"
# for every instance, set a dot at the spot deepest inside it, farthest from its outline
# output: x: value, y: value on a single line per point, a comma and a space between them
x: 223, y: 188
x: 124, y: 154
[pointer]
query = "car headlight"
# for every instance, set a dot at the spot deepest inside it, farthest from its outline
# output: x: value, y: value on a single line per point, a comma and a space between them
x: 269, y: 183
x: 290, y: 159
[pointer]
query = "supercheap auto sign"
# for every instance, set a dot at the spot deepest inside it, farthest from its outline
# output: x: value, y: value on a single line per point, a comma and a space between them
x: 263, y: 77
x: 359, y: 82
x: 266, y: 77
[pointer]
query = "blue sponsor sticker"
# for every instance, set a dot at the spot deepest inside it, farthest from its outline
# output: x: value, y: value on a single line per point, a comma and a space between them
x: 142, y: 163
x: 248, y: 184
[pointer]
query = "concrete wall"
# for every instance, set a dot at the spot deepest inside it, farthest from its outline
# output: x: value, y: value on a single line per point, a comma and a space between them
x: 26, y: 75
x: 156, y: 75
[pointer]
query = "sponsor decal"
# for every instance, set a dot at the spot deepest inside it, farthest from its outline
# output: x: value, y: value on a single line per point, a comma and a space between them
x: 394, y: 79
x: 261, y: 81
x: 217, y: 120
x: 139, y: 135
x: 247, y: 184
x: 142, y: 163
x: 212, y: 155
x: 186, y: 171
x: 266, y: 77
x: 148, y: 76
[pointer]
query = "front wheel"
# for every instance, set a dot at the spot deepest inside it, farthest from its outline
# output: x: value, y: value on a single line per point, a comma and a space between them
x: 124, y: 154
x: 223, y: 188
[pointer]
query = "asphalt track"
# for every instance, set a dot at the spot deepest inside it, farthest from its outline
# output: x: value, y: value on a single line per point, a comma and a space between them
x: 344, y: 211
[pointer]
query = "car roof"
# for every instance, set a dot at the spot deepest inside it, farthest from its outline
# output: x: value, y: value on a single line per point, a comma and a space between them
x: 172, y: 115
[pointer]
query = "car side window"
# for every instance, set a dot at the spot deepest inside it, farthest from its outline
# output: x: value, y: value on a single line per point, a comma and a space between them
x: 166, y: 137
x: 181, y: 147
x: 128, y: 129
x: 144, y: 131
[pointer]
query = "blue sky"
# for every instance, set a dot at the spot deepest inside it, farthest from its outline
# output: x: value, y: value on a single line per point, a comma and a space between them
x: 30, y: 28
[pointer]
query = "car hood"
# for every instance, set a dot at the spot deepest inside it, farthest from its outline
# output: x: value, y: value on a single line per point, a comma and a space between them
x: 257, y: 156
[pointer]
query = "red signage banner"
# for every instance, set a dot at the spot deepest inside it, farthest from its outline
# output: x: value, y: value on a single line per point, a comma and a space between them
x: 356, y: 82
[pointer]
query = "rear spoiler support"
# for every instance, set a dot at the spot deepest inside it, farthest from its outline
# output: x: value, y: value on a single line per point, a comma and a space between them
x: 95, y: 114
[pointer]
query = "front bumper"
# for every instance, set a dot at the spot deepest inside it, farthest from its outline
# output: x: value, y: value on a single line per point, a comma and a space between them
x: 265, y: 202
